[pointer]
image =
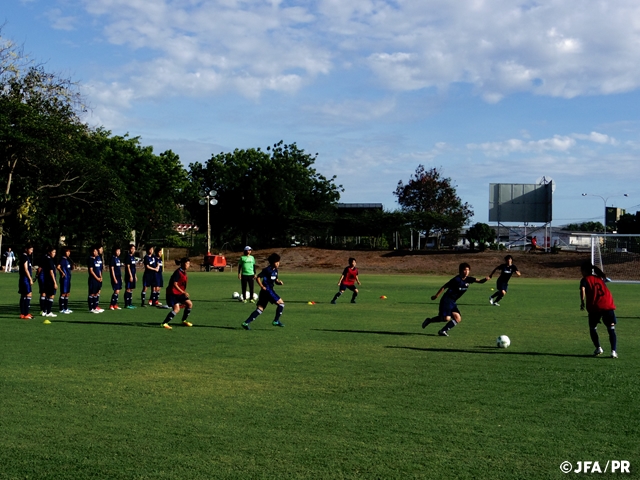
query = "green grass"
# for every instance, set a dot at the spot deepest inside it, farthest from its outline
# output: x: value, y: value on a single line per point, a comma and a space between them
x: 343, y: 391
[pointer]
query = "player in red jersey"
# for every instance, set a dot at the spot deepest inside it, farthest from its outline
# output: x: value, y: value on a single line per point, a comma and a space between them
x: 177, y: 294
x: 599, y: 305
x: 348, y: 280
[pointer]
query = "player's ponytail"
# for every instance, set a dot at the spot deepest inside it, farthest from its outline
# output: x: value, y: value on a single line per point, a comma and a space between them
x: 587, y: 268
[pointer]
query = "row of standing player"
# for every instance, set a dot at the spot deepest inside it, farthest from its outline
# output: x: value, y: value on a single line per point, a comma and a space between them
x: 48, y: 285
x: 595, y: 297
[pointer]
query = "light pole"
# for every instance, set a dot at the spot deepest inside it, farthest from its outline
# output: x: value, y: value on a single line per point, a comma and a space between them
x: 605, y: 204
x: 208, y: 198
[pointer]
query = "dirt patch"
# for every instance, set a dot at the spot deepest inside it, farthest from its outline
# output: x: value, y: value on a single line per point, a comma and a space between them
x: 532, y: 265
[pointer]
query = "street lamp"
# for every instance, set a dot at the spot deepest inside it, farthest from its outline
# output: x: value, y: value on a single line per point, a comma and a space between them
x: 208, y: 198
x: 605, y: 204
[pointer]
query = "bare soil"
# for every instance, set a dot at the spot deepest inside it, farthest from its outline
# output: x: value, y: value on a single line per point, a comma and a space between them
x: 533, y: 265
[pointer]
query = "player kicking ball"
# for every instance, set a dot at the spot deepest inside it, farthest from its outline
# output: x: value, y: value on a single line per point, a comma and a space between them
x: 267, y: 280
x: 348, y: 280
x: 454, y: 289
x: 177, y: 294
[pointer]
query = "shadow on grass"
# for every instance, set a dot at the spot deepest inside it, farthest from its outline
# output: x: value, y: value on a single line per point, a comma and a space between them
x: 119, y: 324
x: 374, y: 332
x: 489, y: 351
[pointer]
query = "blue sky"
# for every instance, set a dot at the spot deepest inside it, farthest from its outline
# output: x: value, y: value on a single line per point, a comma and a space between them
x: 487, y: 91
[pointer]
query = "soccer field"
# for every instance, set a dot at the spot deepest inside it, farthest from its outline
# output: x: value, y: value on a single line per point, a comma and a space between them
x: 343, y: 391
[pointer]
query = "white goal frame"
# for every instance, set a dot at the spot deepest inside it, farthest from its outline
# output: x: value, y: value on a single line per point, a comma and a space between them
x: 617, y: 255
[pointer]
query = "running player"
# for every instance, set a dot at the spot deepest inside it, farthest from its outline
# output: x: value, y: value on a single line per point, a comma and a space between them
x: 267, y: 280
x: 599, y: 305
x: 115, y: 270
x: 507, y: 269
x: 149, y: 276
x: 95, y: 280
x: 348, y: 280
x: 64, y: 268
x: 448, y: 309
x: 177, y: 294
x: 246, y: 274
x: 25, y: 281
x: 130, y: 276
x: 49, y: 281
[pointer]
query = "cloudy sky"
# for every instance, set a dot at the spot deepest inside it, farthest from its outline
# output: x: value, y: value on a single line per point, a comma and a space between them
x: 495, y: 91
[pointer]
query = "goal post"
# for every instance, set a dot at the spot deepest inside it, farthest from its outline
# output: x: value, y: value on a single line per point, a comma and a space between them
x: 618, y: 256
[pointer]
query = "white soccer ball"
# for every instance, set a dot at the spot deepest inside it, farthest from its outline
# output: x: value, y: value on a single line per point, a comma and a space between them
x: 247, y: 295
x: 236, y: 295
x: 255, y: 296
x: 503, y: 341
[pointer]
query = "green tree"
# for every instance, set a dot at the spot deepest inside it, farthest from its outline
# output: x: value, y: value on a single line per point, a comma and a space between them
x: 585, y: 227
x: 432, y: 202
x: 480, y: 233
x: 266, y: 196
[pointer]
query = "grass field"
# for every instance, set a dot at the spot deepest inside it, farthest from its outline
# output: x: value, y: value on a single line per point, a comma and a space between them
x: 343, y: 391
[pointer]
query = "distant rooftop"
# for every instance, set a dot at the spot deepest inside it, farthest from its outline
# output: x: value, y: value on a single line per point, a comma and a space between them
x: 372, y: 206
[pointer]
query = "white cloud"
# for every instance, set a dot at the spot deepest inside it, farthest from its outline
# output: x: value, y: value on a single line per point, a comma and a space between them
x: 596, y: 138
x: 60, y: 21
x: 557, y: 143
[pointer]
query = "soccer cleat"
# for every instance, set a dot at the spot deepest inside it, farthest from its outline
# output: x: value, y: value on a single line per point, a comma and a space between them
x: 29, y: 316
x: 51, y: 314
x: 598, y: 351
x: 496, y: 304
x: 46, y: 321
x: 277, y: 323
x: 426, y: 322
x: 112, y: 307
x: 166, y: 325
x: 94, y: 311
x: 252, y: 301
x: 116, y: 307
x: 43, y: 314
x: 130, y: 307
x: 66, y: 311
x: 150, y: 303
x: 443, y: 333
x: 491, y: 300
x: 187, y: 324
x: 333, y: 302
x: 24, y: 317
x: 614, y: 354
x: 245, y: 325
x: 353, y: 301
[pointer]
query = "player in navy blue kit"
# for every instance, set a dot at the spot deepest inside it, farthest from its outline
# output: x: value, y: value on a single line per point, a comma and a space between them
x: 25, y: 281
x: 507, y: 269
x: 95, y: 280
x: 267, y: 280
x: 448, y: 309
x: 159, y: 281
x: 50, y: 285
x: 115, y: 271
x: 149, y: 278
x: 64, y: 268
x: 130, y: 276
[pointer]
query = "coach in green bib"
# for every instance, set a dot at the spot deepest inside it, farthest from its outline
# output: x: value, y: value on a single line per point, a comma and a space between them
x: 246, y: 274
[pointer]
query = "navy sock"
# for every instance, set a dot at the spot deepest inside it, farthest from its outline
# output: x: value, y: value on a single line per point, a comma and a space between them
x: 353, y: 297
x: 128, y: 296
x: 185, y: 315
x: 613, y: 338
x: 114, y: 299
x: 279, y: 310
x: 23, y: 306
x: 450, y: 324
x: 27, y: 305
x: 143, y: 296
x: 336, y: 296
x: 169, y: 317
x: 49, y: 305
x: 593, y: 333
x: 254, y: 315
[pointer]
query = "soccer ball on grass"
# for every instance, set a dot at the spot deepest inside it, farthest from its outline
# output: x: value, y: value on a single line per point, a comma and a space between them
x: 503, y: 341
x: 235, y: 295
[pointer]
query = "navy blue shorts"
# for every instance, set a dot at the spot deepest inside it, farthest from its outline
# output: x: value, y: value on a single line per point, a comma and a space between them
x: 344, y: 287
x: 117, y: 285
x: 447, y: 307
x: 159, y: 280
x: 65, y: 285
x: 94, y: 286
x: 149, y: 280
x: 24, y: 286
x: 173, y: 300
x: 608, y: 317
x: 130, y: 284
x: 266, y: 297
x: 49, y: 289
x: 502, y: 286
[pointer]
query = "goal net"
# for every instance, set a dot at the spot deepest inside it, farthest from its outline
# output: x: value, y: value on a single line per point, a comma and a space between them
x: 618, y: 256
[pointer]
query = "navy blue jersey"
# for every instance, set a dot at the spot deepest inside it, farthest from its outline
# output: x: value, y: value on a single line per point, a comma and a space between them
x: 151, y: 261
x: 25, y: 258
x: 159, y: 279
x: 65, y: 266
x: 95, y: 265
x: 116, y: 264
x: 505, y: 272
x: 268, y: 277
x: 48, y: 267
x: 457, y: 286
x: 129, y: 260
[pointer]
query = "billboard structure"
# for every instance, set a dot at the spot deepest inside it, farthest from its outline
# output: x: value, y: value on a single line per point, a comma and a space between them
x: 523, y: 203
